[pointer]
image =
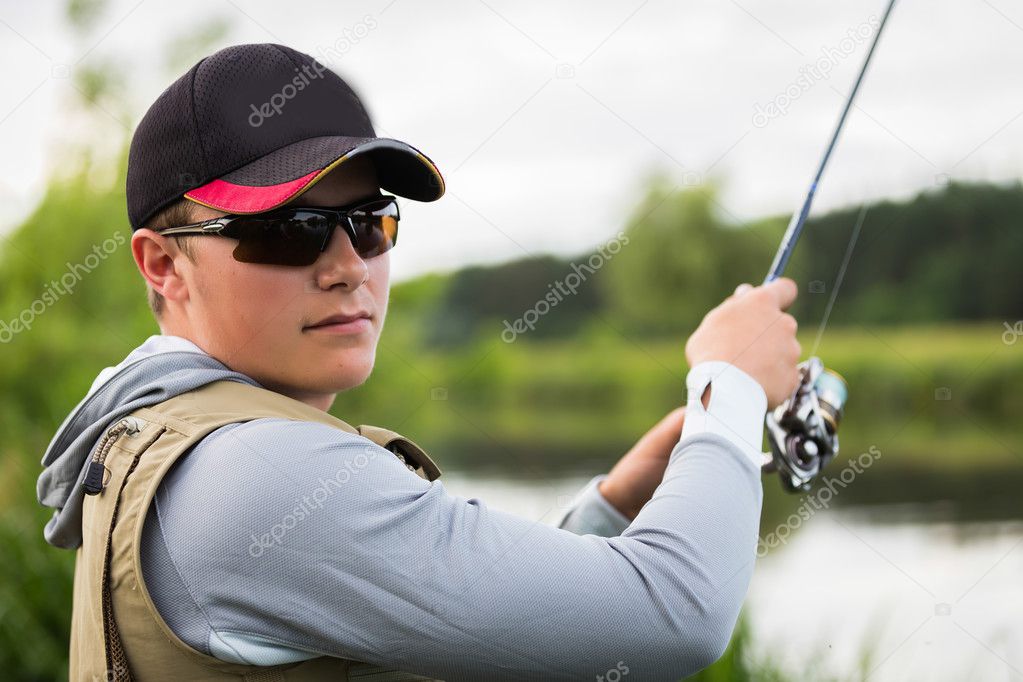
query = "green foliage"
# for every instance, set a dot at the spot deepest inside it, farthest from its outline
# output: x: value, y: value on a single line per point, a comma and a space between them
x: 572, y: 404
x: 949, y: 254
x: 187, y: 49
x: 482, y: 299
x: 70, y: 278
x: 35, y: 584
x: 82, y: 15
x: 680, y: 261
x: 740, y: 664
x: 100, y: 84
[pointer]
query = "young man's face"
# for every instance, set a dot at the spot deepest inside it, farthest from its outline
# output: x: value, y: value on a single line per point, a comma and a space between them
x: 256, y: 319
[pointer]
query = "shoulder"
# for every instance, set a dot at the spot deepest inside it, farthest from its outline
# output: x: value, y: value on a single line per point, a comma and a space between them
x: 246, y: 479
x: 273, y: 488
x: 278, y: 437
x: 246, y: 466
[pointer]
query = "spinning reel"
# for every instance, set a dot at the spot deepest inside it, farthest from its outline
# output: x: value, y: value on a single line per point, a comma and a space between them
x: 803, y: 430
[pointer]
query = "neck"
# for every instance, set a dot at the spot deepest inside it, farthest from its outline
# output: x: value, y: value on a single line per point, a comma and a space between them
x: 321, y: 401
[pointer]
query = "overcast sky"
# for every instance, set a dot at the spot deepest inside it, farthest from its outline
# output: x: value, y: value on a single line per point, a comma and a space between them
x: 545, y: 117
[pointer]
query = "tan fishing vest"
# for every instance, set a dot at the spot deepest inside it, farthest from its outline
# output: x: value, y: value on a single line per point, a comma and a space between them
x: 116, y: 631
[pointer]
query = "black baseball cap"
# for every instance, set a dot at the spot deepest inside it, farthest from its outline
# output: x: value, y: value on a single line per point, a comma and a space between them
x: 251, y: 127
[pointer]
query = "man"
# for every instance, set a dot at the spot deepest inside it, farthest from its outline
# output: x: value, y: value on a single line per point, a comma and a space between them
x: 227, y: 527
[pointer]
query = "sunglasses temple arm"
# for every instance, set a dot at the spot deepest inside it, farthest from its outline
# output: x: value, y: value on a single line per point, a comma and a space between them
x: 206, y: 227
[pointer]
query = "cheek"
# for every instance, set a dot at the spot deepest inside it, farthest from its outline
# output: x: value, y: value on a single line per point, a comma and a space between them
x: 380, y: 281
x: 244, y: 298
x: 267, y: 293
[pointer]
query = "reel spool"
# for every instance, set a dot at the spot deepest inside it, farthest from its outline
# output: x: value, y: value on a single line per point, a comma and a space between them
x: 803, y: 430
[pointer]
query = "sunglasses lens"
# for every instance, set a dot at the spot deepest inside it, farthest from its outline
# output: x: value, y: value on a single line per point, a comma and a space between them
x: 288, y: 239
x: 376, y: 228
x: 297, y: 236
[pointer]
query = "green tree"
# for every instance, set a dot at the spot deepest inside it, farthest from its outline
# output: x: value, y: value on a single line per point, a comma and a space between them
x: 682, y: 259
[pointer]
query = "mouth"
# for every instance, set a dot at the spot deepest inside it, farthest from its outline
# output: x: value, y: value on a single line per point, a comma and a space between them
x: 354, y: 323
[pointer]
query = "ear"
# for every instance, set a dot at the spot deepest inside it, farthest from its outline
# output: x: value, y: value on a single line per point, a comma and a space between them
x: 157, y: 258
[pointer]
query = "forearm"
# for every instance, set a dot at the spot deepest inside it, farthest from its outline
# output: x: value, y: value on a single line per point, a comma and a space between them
x: 608, y: 503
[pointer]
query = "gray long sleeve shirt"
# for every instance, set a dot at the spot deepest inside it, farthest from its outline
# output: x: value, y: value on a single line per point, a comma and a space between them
x: 276, y: 540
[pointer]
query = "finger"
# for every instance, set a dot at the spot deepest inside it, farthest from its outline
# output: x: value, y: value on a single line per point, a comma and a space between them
x: 784, y: 291
x: 742, y: 289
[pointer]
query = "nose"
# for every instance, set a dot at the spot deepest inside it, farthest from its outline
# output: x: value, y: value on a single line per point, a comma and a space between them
x: 340, y: 263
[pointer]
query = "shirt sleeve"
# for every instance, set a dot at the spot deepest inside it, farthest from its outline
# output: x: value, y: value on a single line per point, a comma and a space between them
x: 293, y: 540
x: 591, y: 513
x: 736, y: 412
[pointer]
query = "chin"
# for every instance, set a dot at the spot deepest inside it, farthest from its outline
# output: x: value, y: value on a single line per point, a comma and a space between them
x: 347, y: 383
x: 347, y: 374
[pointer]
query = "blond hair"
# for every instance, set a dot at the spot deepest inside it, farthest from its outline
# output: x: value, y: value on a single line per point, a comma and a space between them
x: 181, y: 212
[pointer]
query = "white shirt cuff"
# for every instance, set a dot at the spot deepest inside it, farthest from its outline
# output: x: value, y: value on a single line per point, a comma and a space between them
x: 736, y: 410
x: 590, y: 513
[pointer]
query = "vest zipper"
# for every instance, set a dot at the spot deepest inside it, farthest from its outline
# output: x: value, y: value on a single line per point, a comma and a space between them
x: 94, y: 475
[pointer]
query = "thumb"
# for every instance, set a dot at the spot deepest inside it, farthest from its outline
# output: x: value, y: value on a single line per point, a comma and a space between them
x: 784, y: 291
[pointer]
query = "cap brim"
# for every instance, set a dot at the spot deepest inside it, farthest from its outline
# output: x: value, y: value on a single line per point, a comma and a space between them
x: 276, y: 178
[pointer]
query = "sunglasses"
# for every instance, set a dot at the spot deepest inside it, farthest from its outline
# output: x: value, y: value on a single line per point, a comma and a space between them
x: 297, y: 236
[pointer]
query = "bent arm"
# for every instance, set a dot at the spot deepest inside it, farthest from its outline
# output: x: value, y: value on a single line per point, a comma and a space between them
x: 325, y: 543
x: 737, y: 415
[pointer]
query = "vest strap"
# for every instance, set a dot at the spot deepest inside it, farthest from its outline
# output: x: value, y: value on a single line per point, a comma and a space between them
x: 405, y: 448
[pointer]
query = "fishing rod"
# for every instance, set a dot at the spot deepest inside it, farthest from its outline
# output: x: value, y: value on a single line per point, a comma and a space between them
x: 803, y: 430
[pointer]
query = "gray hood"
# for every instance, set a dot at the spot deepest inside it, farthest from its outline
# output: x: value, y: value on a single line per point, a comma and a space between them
x: 144, y: 378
